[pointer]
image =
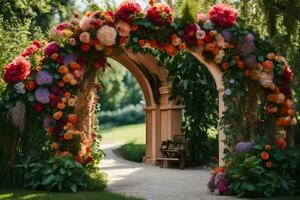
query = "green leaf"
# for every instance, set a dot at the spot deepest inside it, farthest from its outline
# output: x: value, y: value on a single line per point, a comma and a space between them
x: 48, y: 179
x: 73, y: 188
x: 250, y: 187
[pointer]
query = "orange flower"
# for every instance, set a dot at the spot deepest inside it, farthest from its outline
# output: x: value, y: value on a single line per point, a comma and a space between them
x: 65, y: 153
x: 72, y: 118
x: 247, y: 73
x: 64, y: 100
x: 38, y: 68
x: 68, y: 95
x: 268, y: 65
x: 200, y: 43
x: 171, y: 50
x: 85, y: 47
x: 71, y: 102
x: 182, y: 46
x: 55, y: 146
x: 153, y: 44
x: 268, y: 147
x: 63, y: 69
x: 142, y: 42
x: 269, y: 164
x: 219, y: 169
x: 61, y: 84
x: 30, y: 85
x: 173, y: 36
x: 123, y: 40
x: 69, y: 126
x: 240, y: 64
x: 264, y: 155
x: 68, y: 135
x: 225, y: 65
x: 75, y: 65
x: 276, y: 90
x: 61, y: 106
x: 73, y: 82
x: 58, y: 115
x: 68, y: 77
x: 54, y: 56
x: 134, y: 27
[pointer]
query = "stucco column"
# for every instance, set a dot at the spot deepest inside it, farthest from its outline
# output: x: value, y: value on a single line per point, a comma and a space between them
x: 221, y: 133
x: 171, y: 115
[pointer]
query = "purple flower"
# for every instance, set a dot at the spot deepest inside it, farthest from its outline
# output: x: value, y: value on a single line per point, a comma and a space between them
x: 49, y: 122
x: 247, y: 46
x: 42, y: 95
x: 243, y: 147
x: 227, y: 35
x: 69, y: 58
x: 250, y: 60
x: 43, y: 77
x: 221, y: 182
x: 51, y: 48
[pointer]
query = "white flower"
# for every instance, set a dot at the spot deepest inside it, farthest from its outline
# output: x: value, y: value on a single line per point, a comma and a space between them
x: 227, y: 92
x: 20, y: 88
x: 107, y: 35
x: 232, y: 81
x: 200, y: 34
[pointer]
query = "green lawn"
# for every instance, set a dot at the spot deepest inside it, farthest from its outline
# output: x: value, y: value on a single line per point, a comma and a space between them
x: 125, y: 134
x: 23, y: 194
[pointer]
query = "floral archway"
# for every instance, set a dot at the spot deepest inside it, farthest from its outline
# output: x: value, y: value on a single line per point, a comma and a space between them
x: 57, y: 79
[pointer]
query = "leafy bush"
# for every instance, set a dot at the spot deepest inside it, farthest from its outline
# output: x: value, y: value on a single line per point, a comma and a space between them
x: 133, y: 152
x: 249, y: 174
x: 96, y: 181
x: 55, y: 174
x: 130, y: 114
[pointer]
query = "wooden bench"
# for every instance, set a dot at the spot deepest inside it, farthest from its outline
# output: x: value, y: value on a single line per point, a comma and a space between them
x: 173, y: 150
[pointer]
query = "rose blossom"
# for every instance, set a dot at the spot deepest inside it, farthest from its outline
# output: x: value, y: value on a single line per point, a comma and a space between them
x: 123, y: 28
x: 86, y: 23
x: 51, y: 48
x: 85, y: 37
x: 223, y: 15
x: 72, y: 41
x: 43, y: 77
x: 42, y: 95
x: 201, y: 17
x: 200, y: 34
x: 177, y: 41
x: 107, y: 35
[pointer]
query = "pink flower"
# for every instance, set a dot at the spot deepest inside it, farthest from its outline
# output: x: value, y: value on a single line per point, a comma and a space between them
x: 201, y: 17
x: 51, y: 48
x: 127, y: 11
x: 107, y: 35
x: 72, y: 41
x: 85, y: 37
x: 123, y: 28
x: 17, y: 71
x: 61, y: 26
x: 223, y: 15
x: 31, y: 49
x: 86, y: 23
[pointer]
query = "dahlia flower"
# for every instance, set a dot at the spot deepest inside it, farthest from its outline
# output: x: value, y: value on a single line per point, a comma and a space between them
x: 107, y: 35
x: 160, y: 14
x: 223, y: 15
x: 42, y: 95
x: 43, y: 78
x: 127, y: 11
x: 17, y: 71
x: 31, y: 49
x: 51, y: 48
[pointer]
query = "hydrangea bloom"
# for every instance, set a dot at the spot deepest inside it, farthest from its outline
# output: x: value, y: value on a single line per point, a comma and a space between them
x: 247, y: 46
x: 250, y: 60
x: 17, y: 71
x: 42, y: 95
x: 243, y: 147
x: 221, y: 182
x: 43, y: 77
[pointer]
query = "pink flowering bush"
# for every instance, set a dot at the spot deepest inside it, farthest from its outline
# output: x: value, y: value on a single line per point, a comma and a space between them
x: 223, y: 15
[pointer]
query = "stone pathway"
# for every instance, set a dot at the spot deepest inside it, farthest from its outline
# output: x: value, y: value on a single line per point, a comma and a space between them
x: 154, y: 183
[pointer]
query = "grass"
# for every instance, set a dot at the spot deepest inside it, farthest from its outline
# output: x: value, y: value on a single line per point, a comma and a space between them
x: 24, y: 194
x: 125, y: 134
x: 133, y: 152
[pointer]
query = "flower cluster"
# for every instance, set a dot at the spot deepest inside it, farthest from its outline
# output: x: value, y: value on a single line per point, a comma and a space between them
x: 223, y: 15
x: 219, y: 181
x: 160, y: 14
x: 127, y: 11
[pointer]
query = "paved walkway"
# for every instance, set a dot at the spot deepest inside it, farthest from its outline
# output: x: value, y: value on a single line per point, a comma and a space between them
x: 152, y: 182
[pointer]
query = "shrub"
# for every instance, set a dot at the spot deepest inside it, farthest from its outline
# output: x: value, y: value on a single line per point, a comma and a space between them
x: 55, y: 174
x: 130, y: 114
x: 133, y: 152
x: 96, y: 181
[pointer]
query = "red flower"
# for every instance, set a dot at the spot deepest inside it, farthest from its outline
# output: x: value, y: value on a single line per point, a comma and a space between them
x: 160, y: 15
x: 17, y: 71
x: 89, y: 159
x: 127, y: 11
x: 281, y: 143
x: 38, y: 107
x: 31, y: 49
x: 88, y: 149
x: 51, y: 48
x: 287, y: 74
x: 79, y: 159
x: 223, y: 15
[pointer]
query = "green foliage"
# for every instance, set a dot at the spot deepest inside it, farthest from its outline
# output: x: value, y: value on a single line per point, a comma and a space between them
x: 198, y: 94
x: 132, y: 151
x: 96, y: 181
x: 55, y: 173
x: 130, y: 114
x: 248, y: 175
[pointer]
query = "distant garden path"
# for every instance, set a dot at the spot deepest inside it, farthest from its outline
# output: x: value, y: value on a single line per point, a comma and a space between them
x: 154, y: 183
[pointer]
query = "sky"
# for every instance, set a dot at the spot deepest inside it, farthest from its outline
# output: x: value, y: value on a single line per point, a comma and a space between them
x: 82, y: 6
